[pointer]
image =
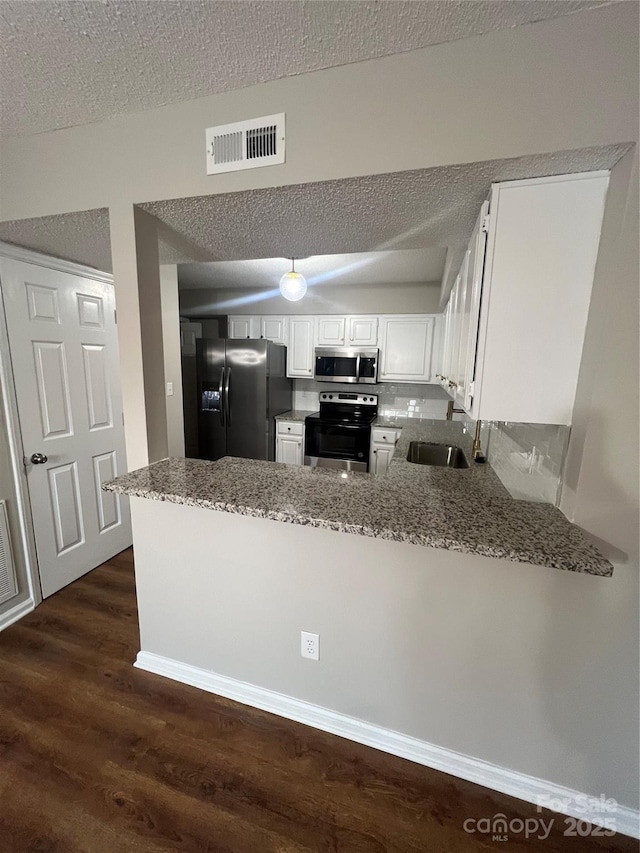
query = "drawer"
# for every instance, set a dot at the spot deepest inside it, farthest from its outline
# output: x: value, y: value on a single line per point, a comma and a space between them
x: 384, y: 436
x: 290, y: 428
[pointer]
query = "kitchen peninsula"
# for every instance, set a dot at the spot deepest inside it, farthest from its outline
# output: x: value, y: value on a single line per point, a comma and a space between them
x: 431, y: 589
x: 465, y: 510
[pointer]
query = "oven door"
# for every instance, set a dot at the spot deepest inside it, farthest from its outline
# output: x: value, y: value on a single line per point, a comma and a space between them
x: 337, y: 442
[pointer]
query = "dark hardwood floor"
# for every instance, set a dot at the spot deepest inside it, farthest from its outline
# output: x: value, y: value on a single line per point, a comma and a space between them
x: 98, y: 756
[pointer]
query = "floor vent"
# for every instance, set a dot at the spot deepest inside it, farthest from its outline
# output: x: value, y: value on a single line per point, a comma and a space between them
x: 246, y: 144
x: 8, y: 585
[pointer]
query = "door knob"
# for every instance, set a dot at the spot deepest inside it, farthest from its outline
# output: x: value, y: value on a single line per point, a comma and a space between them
x: 38, y: 458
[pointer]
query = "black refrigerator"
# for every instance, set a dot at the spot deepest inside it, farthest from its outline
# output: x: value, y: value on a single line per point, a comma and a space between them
x: 242, y: 386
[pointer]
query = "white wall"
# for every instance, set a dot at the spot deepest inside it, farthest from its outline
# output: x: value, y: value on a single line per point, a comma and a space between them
x: 601, y: 475
x: 518, y: 665
x: 8, y: 493
x: 410, y: 298
x: 560, y: 84
x: 172, y: 358
x: 136, y: 273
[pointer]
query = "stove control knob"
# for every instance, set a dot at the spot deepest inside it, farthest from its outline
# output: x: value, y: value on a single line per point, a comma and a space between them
x: 331, y: 396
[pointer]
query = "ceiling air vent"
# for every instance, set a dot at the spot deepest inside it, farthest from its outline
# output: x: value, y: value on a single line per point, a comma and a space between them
x: 8, y: 585
x: 245, y: 144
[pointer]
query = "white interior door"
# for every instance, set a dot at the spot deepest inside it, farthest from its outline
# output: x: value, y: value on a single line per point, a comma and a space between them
x: 64, y: 354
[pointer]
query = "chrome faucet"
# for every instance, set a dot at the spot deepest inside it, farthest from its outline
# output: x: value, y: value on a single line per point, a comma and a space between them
x: 451, y: 411
x: 478, y: 455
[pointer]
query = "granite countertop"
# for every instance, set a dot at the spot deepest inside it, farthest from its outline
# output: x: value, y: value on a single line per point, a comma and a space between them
x: 294, y: 415
x: 466, y: 510
x: 392, y: 422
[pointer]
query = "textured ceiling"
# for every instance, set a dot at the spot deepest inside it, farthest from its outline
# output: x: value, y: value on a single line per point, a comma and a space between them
x: 67, y: 63
x: 81, y: 237
x: 402, y: 210
x: 370, y: 268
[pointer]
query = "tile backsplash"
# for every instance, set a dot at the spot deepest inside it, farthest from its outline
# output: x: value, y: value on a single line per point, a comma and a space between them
x: 396, y: 400
x: 529, y: 458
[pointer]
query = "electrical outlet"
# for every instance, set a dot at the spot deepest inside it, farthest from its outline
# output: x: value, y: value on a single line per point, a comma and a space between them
x: 310, y: 645
x: 169, y: 389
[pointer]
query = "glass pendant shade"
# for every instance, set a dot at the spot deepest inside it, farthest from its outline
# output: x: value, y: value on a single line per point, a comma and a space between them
x: 293, y: 286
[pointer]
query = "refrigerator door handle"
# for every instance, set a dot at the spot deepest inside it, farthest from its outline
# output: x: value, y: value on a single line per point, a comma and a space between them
x: 227, y: 400
x: 221, y: 396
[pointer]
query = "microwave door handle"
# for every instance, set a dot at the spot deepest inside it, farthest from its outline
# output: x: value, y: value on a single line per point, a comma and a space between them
x: 221, y: 396
x: 358, y: 367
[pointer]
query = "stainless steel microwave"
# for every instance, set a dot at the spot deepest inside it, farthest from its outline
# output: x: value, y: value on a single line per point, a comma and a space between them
x: 346, y: 364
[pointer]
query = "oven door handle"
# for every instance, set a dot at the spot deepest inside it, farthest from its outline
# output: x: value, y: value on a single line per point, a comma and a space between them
x: 341, y: 426
x: 358, y: 367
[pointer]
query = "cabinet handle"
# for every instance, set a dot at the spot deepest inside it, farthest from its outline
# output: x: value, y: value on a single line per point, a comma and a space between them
x: 375, y: 451
x: 384, y: 437
x: 289, y: 428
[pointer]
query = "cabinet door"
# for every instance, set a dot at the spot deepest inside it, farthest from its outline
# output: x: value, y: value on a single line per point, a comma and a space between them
x: 446, y: 343
x: 331, y: 331
x: 289, y: 449
x: 380, y: 457
x: 407, y: 345
x: 243, y: 327
x: 189, y: 333
x: 464, y: 312
x: 454, y: 338
x: 274, y: 329
x: 300, y: 347
x: 475, y: 273
x: 362, y: 331
x: 542, y: 250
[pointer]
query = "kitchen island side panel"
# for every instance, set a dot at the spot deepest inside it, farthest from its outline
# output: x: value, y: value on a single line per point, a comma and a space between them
x: 486, y: 657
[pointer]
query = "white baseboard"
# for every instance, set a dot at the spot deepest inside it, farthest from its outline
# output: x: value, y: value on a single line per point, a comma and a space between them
x: 511, y: 782
x: 17, y: 612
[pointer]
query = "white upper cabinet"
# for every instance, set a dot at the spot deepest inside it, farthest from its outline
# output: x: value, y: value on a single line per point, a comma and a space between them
x: 243, y: 327
x: 330, y: 331
x: 517, y: 316
x: 300, y: 350
x: 362, y: 331
x: 406, y: 347
x: 267, y: 327
x: 274, y: 329
x: 474, y: 272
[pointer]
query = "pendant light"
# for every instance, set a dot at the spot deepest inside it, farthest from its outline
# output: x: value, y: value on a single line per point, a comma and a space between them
x: 293, y: 285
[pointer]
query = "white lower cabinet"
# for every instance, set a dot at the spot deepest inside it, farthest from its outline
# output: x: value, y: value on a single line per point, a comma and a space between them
x: 290, y: 442
x: 406, y: 348
x: 383, y: 445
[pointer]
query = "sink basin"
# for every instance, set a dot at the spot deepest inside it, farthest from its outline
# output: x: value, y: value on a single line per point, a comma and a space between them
x: 430, y: 453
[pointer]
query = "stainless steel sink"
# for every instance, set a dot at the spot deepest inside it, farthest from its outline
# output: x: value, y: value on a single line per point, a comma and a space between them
x: 430, y: 453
